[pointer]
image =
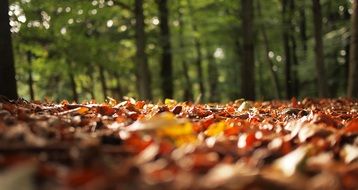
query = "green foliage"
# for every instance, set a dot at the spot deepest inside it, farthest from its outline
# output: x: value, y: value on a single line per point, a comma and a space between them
x: 79, y: 36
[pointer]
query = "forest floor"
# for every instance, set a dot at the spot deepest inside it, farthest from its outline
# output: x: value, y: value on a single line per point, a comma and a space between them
x: 308, y: 144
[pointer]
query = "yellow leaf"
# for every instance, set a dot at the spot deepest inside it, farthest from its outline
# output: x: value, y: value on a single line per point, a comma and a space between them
x: 176, y: 130
x: 170, y: 102
x: 215, y: 129
x: 82, y: 110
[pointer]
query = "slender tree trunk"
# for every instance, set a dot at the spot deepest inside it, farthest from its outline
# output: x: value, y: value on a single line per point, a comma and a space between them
x: 248, y: 65
x: 102, y: 78
x: 318, y: 49
x: 119, y: 91
x: 353, y: 59
x: 303, y: 28
x: 30, y: 81
x: 274, y: 76
x: 142, y: 68
x: 295, y: 80
x: 346, y: 64
x: 188, y: 93
x: 72, y: 82
x: 199, y: 68
x: 166, y: 62
x: 91, y: 87
x: 198, y: 62
x: 286, y: 46
x: 236, y: 68
x: 7, y: 69
x: 213, y: 78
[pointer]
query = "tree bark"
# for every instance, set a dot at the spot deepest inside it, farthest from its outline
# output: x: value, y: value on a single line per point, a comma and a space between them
x: 318, y: 49
x: 118, y: 89
x: 286, y: 46
x: 295, y: 80
x: 166, y: 62
x: 72, y: 82
x: 7, y: 69
x: 248, y: 65
x: 102, y: 78
x: 274, y: 76
x: 142, y: 68
x: 188, y: 93
x: 353, y: 59
x: 91, y: 87
x: 30, y: 80
x: 198, y: 62
x: 213, y: 78
x: 303, y: 28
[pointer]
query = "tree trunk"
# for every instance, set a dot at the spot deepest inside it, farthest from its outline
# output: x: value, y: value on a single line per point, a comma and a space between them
x: 248, y: 64
x: 102, y: 78
x: 30, y: 81
x: 91, y: 87
x: 198, y: 62
x: 142, y: 68
x: 353, y: 59
x: 235, y: 69
x: 7, y: 69
x: 72, y: 82
x: 166, y: 62
x: 213, y: 78
x: 274, y: 76
x: 188, y: 93
x: 119, y: 91
x: 295, y: 80
x: 318, y: 49
x: 303, y: 28
x: 286, y: 46
x: 199, y: 68
x: 346, y: 62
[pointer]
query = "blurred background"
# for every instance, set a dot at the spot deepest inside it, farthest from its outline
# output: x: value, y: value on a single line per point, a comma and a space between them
x: 219, y: 50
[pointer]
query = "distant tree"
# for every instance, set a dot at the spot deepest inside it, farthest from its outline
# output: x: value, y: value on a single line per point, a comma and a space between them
x: 7, y: 70
x: 213, y: 76
x: 248, y: 64
x: 142, y: 68
x: 73, y: 83
x: 30, y: 80
x: 274, y: 76
x: 102, y: 78
x: 318, y: 49
x: 166, y: 62
x: 286, y: 26
x: 188, y: 92
x: 199, y: 55
x: 353, y: 60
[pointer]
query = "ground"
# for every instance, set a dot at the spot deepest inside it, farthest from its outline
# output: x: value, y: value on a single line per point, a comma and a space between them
x: 129, y: 144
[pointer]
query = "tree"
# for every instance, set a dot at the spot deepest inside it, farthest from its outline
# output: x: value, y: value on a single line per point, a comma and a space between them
x: 188, y: 93
x: 213, y: 75
x: 7, y: 70
x: 102, y: 78
x: 248, y: 64
x: 353, y: 60
x: 318, y: 49
x: 30, y: 79
x: 166, y: 62
x: 199, y: 59
x: 286, y: 23
x: 142, y: 68
x: 275, y: 80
